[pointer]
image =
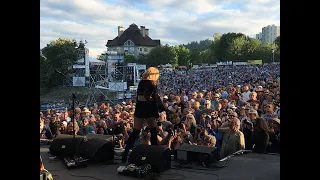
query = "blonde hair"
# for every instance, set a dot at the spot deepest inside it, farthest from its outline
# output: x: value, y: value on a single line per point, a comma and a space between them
x: 191, y: 121
x: 209, y: 139
x: 151, y: 73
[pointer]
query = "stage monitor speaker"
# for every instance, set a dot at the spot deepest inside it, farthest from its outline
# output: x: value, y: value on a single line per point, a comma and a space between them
x: 159, y: 157
x: 194, y: 153
x: 64, y: 145
x: 96, y: 149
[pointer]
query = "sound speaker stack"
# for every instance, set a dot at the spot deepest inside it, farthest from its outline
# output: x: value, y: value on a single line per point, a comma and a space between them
x: 96, y: 149
x: 159, y: 157
x: 64, y: 145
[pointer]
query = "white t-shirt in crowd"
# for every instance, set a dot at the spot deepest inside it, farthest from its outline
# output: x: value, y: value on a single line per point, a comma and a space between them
x: 245, y: 96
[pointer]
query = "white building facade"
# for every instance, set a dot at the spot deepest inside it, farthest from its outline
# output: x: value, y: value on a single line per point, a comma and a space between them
x: 269, y: 34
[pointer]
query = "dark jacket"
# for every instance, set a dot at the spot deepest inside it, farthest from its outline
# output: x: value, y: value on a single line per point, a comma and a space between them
x: 260, y: 140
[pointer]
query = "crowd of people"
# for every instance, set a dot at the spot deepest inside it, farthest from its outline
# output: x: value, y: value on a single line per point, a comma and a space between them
x: 229, y: 107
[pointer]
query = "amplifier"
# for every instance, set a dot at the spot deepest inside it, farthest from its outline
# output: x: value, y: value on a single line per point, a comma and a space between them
x: 194, y: 153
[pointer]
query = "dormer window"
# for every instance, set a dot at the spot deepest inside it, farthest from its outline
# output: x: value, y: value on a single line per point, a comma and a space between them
x: 129, y: 43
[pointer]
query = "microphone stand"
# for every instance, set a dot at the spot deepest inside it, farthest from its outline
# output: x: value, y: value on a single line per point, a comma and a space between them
x: 74, y: 98
x: 73, y: 117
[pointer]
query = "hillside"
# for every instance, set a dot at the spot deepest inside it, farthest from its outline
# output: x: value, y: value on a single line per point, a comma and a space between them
x: 63, y: 94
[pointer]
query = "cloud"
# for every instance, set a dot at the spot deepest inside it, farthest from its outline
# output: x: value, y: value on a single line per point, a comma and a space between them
x: 172, y: 21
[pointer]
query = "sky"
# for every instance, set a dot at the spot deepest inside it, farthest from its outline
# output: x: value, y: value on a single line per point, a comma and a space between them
x: 174, y: 22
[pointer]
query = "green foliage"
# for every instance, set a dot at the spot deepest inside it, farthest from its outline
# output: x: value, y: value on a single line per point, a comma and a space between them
x: 277, y: 42
x: 43, y: 70
x: 183, y: 55
x: 129, y: 58
x: 195, y: 56
x: 59, y: 55
x: 102, y: 56
x: 228, y: 47
x: 201, y: 45
x: 159, y: 55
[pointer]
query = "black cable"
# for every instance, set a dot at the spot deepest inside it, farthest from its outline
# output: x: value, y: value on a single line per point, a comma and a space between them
x: 80, y: 176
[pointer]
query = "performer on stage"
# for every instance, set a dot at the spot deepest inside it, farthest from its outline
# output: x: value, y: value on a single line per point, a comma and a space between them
x: 148, y: 103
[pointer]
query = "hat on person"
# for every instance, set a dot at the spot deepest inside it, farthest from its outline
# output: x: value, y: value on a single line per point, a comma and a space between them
x: 64, y: 123
x: 217, y: 95
x: 86, y: 110
x: 116, y: 111
x: 165, y: 97
x: 124, y: 103
x: 259, y: 89
x: 208, y: 116
x: 247, y: 107
x: 232, y: 106
x: 253, y: 111
x: 276, y: 120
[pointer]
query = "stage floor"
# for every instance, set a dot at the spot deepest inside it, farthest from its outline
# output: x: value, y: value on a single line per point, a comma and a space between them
x: 242, y: 167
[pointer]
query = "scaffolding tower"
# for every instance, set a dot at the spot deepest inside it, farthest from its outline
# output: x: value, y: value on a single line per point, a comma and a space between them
x: 101, y: 81
x: 113, y: 81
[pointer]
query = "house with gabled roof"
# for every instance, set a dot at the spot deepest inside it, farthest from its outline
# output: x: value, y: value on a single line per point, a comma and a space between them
x: 133, y: 40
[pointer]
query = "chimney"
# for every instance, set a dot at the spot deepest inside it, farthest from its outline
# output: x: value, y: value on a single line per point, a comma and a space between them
x: 120, y: 31
x: 147, y: 32
x: 143, y: 31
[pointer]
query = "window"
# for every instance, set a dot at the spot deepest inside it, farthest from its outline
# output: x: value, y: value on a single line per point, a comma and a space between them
x: 140, y: 49
x: 129, y: 43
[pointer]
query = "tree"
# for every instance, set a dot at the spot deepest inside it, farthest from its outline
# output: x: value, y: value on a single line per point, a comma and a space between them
x: 103, y: 56
x: 195, y: 56
x: 183, y: 55
x: 129, y: 58
x: 142, y: 59
x: 237, y: 46
x: 206, y: 56
x: 250, y: 49
x: 201, y: 45
x: 222, y: 46
x: 277, y: 42
x: 216, y: 36
x: 162, y: 55
x: 43, y: 71
x: 60, y: 55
